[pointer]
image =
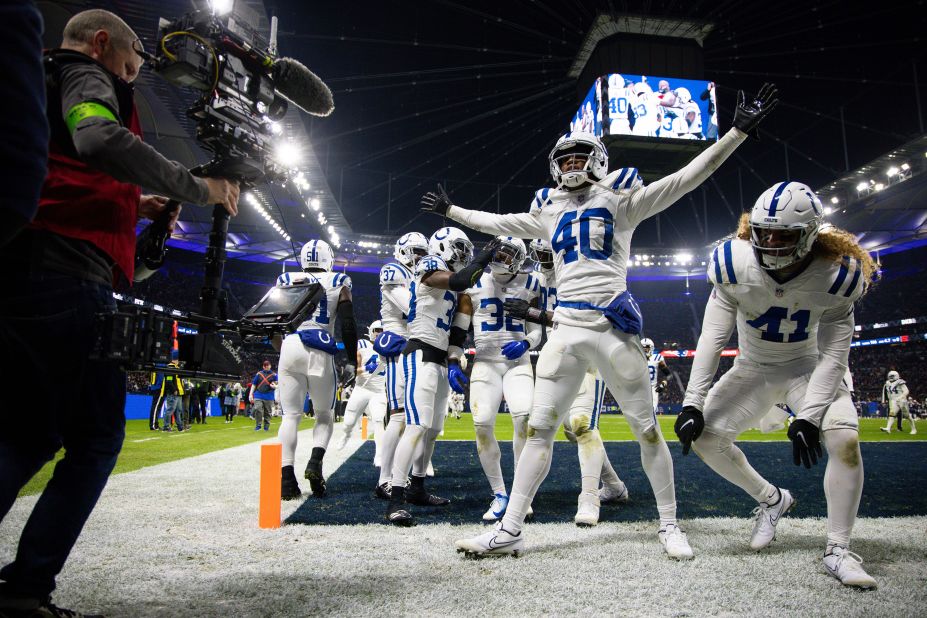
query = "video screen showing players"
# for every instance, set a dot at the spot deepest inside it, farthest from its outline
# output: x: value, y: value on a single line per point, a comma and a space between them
x: 649, y: 106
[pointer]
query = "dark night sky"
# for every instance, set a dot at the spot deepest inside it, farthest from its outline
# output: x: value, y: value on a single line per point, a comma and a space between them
x: 440, y: 90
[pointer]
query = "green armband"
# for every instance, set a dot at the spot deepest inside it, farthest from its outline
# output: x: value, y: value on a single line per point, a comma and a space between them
x: 87, y: 109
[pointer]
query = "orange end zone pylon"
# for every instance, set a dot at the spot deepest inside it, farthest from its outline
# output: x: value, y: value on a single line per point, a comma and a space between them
x: 269, y: 509
x: 363, y: 428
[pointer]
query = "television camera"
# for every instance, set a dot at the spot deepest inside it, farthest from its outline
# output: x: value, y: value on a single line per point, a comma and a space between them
x: 246, y: 90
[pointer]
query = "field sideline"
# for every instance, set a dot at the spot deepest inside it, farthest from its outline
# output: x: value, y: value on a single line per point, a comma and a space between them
x: 143, y: 448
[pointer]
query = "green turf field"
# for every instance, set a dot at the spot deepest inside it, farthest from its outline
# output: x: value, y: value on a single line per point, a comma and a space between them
x: 144, y: 448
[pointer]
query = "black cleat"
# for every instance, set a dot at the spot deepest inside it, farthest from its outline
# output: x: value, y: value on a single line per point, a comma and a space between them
x: 289, y: 487
x: 383, y: 491
x: 315, y: 478
x: 399, y: 517
x: 422, y: 498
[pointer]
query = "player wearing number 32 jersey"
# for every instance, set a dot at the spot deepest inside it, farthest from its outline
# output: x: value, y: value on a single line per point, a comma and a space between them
x: 788, y: 283
x: 589, y: 220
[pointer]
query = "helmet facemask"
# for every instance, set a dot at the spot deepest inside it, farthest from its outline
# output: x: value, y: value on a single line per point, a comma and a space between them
x: 779, y: 247
x: 508, y: 259
x: 543, y: 255
x: 462, y: 252
x: 578, y: 147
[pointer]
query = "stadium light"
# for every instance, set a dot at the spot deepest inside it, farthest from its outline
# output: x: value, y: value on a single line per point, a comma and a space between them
x: 221, y: 7
x: 828, y: 210
x: 684, y: 258
x: 331, y: 229
x: 891, y: 171
x: 905, y: 167
x: 316, y: 203
x: 288, y: 154
x: 834, y: 200
x: 879, y: 186
x: 862, y: 186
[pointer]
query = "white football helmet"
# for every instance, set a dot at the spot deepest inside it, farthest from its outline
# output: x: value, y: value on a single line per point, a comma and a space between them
x: 451, y: 245
x: 581, y: 144
x: 541, y: 252
x: 317, y: 255
x: 375, y: 328
x: 893, y: 376
x: 795, y: 213
x: 683, y: 95
x: 693, y: 117
x: 615, y: 81
x: 509, y: 256
x: 410, y: 248
x: 642, y: 88
x: 648, y: 346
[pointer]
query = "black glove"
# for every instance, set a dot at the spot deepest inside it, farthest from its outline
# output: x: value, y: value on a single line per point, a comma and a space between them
x: 689, y: 426
x: 436, y: 201
x: 661, y: 386
x: 748, y: 115
x: 521, y: 310
x: 806, y: 442
x: 485, y: 256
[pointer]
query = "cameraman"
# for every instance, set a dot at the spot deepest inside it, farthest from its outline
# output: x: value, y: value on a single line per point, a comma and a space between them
x: 58, y: 275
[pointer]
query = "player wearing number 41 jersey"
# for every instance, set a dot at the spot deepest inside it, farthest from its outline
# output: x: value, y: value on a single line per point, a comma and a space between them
x: 788, y: 284
x: 589, y: 220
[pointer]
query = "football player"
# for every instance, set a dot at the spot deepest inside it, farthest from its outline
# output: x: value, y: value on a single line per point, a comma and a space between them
x: 369, y: 392
x: 307, y: 364
x: 648, y: 116
x: 789, y: 288
x: 431, y: 361
x: 656, y: 366
x: 619, y: 97
x: 895, y: 392
x: 581, y: 425
x: 395, y: 296
x: 456, y: 401
x: 502, y: 366
x: 589, y: 220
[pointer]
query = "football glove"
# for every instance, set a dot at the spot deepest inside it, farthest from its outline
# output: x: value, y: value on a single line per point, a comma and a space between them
x: 371, y: 365
x: 436, y: 201
x: 661, y: 386
x: 748, y: 115
x: 806, y: 442
x: 456, y: 377
x: 688, y: 427
x: 521, y: 310
x: 515, y: 349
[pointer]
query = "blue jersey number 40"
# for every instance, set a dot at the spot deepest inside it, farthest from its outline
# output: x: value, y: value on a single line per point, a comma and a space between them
x: 564, y: 240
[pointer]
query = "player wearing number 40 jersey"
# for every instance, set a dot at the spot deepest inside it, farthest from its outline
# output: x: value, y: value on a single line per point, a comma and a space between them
x: 788, y: 284
x: 589, y: 220
x: 307, y: 363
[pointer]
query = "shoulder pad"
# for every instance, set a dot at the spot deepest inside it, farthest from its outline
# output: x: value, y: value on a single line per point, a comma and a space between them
x: 362, y: 344
x: 342, y: 280
x: 623, y: 179
x: 729, y: 262
x: 430, y: 263
x: 845, y: 279
x: 542, y: 198
x: 394, y: 274
x: 295, y: 278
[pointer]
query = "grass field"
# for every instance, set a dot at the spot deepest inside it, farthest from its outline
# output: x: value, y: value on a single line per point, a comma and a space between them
x: 143, y: 448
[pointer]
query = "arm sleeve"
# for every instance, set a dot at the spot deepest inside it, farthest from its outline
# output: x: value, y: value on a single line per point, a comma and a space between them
x: 519, y: 225
x: 835, y: 333
x: 720, y: 318
x: 533, y: 334
x: 108, y: 146
x: 660, y: 195
x: 398, y: 295
x: 348, y: 328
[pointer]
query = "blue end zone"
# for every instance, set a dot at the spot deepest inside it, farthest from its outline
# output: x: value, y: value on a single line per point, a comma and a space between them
x: 896, y: 485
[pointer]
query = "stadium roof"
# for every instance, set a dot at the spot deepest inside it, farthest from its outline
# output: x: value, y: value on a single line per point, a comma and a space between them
x: 473, y: 95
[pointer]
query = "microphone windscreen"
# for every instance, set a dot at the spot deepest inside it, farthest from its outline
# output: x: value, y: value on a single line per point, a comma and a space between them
x: 300, y: 86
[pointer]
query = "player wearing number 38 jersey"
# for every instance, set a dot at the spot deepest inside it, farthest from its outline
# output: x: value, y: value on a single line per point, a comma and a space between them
x: 589, y: 220
x: 788, y: 283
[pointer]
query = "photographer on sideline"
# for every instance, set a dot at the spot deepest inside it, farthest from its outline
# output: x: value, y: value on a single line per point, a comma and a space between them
x: 58, y: 275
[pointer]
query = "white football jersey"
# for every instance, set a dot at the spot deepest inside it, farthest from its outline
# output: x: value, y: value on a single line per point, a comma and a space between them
x: 492, y: 327
x: 619, y: 102
x: 324, y: 315
x: 393, y: 316
x: 647, y: 116
x: 431, y: 311
x: 653, y: 368
x: 778, y: 322
x: 896, y: 391
x: 377, y: 381
x: 547, y: 280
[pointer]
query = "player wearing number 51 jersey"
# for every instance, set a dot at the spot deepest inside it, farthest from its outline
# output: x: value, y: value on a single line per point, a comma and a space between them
x: 788, y: 284
x: 589, y: 220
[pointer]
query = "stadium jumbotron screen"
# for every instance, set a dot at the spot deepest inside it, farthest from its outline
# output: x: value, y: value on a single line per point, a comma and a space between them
x: 649, y: 106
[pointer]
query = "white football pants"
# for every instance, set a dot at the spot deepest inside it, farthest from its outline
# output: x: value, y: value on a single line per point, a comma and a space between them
x: 490, y: 381
x: 373, y: 401
x: 743, y: 396
x: 570, y: 352
x: 305, y: 370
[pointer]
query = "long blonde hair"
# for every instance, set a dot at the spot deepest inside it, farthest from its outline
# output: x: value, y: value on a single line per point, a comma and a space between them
x: 831, y: 244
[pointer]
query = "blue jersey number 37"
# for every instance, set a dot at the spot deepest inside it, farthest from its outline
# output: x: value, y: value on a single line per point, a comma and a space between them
x: 565, y: 241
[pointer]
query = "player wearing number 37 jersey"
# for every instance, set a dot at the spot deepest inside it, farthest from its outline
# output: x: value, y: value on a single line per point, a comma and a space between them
x: 589, y: 220
x: 788, y: 284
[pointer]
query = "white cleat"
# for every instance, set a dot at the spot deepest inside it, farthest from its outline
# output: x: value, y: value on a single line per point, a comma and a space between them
x: 614, y: 494
x: 766, y: 519
x: 342, y: 440
x: 587, y: 510
x: 885, y: 430
x: 496, y: 542
x: 848, y: 568
x: 913, y: 432
x: 497, y: 509
x: 676, y: 543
